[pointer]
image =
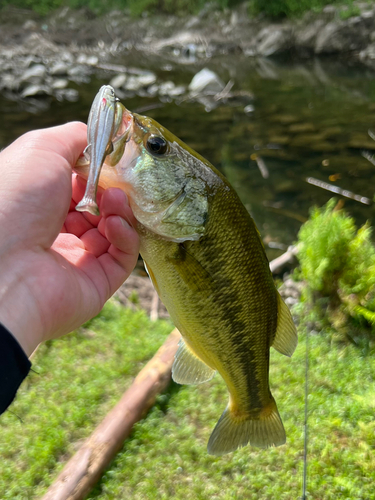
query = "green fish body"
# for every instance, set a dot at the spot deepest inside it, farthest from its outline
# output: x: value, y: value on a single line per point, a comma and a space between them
x: 207, y: 262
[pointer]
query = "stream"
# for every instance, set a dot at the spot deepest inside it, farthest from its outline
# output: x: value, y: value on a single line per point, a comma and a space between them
x: 307, y: 128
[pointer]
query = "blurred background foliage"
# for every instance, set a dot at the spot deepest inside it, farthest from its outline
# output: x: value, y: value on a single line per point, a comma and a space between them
x: 270, y: 8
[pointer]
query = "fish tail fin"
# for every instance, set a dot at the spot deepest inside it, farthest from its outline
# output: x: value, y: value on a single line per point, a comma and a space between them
x: 232, y: 432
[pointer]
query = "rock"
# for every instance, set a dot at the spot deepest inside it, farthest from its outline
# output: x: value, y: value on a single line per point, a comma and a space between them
x: 60, y: 83
x: 249, y: 109
x: 38, y: 45
x: 79, y: 73
x: 272, y: 40
x: 344, y: 36
x: 35, y: 90
x: 30, y: 25
x: 59, y: 69
x: 147, y: 79
x: 82, y: 59
x: 71, y: 95
x: 306, y: 36
x: 118, y: 81
x: 329, y: 9
x: 206, y: 81
x: 132, y: 83
x: 153, y: 90
x: 166, y: 88
x: 36, y: 72
x: 92, y: 60
x: 9, y: 81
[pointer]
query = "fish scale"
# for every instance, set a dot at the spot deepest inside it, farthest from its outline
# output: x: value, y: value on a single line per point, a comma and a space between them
x: 207, y: 262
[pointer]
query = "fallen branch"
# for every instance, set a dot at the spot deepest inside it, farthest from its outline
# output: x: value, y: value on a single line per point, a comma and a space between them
x: 154, y: 307
x: 84, y: 469
x: 277, y: 264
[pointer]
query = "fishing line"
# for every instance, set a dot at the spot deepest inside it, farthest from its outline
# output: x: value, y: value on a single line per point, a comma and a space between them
x: 304, y: 483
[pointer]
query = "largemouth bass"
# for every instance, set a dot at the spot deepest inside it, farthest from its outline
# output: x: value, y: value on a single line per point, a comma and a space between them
x: 207, y: 262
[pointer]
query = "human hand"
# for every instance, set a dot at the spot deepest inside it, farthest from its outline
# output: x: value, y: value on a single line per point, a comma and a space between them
x: 57, y: 266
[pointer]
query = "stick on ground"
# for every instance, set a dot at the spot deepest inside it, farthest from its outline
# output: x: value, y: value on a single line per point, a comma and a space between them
x: 84, y: 469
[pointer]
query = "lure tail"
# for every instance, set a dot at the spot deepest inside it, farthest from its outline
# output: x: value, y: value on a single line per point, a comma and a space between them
x: 232, y: 432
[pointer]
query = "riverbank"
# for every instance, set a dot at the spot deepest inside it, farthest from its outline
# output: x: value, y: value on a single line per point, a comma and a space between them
x: 45, y: 56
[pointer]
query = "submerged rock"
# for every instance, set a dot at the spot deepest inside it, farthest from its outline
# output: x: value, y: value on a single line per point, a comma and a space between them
x: 35, y: 90
x: 206, y: 81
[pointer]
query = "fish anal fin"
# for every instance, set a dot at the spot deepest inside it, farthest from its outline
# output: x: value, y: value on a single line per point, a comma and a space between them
x: 233, y: 432
x: 188, y: 368
x: 286, y: 339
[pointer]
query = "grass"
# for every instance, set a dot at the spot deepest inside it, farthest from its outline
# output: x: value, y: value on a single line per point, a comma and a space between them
x: 81, y: 377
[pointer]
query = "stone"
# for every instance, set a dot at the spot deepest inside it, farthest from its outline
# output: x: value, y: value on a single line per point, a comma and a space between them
x: 59, y: 69
x: 82, y: 59
x: 36, y: 72
x: 344, y: 36
x: 132, y: 83
x: 60, y: 83
x: 35, y: 90
x: 166, y: 88
x: 147, y: 79
x: 206, y: 81
x: 273, y: 40
x: 118, y: 81
x: 9, y: 81
x: 71, y: 95
x: 30, y: 25
x: 92, y: 60
x: 79, y: 73
x: 249, y: 109
x: 306, y: 37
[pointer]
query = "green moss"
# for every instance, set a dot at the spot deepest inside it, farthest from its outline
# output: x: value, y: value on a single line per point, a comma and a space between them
x: 338, y: 264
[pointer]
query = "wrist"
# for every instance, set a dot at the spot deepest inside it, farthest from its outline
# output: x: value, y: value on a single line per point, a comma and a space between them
x: 18, y: 308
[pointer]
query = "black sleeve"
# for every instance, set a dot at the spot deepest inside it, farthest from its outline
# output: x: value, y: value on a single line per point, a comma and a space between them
x: 14, y: 367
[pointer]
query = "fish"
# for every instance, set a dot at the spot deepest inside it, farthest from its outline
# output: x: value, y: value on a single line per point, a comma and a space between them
x: 103, y: 122
x: 205, y: 257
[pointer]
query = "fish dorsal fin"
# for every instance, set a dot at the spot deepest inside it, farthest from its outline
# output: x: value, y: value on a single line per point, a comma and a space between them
x: 188, y: 368
x: 286, y: 334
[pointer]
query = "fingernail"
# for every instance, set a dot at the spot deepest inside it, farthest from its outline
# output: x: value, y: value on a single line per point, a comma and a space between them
x: 124, y: 222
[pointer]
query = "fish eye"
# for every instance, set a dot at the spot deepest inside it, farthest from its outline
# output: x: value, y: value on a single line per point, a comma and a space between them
x: 157, y: 145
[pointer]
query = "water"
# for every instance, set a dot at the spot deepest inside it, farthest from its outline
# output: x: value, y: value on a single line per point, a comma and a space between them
x: 309, y: 120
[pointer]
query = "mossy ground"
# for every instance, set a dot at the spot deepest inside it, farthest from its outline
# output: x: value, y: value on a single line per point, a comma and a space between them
x: 79, y: 378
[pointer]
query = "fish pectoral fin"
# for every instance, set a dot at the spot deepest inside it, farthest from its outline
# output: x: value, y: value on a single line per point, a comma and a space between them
x: 233, y: 432
x: 286, y: 339
x: 188, y: 368
x: 152, y: 277
x: 190, y: 269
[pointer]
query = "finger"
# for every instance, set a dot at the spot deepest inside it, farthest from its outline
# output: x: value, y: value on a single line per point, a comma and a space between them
x: 94, y: 242
x: 115, y: 268
x: 77, y: 224
x: 115, y: 202
x: 121, y: 235
x: 68, y: 140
